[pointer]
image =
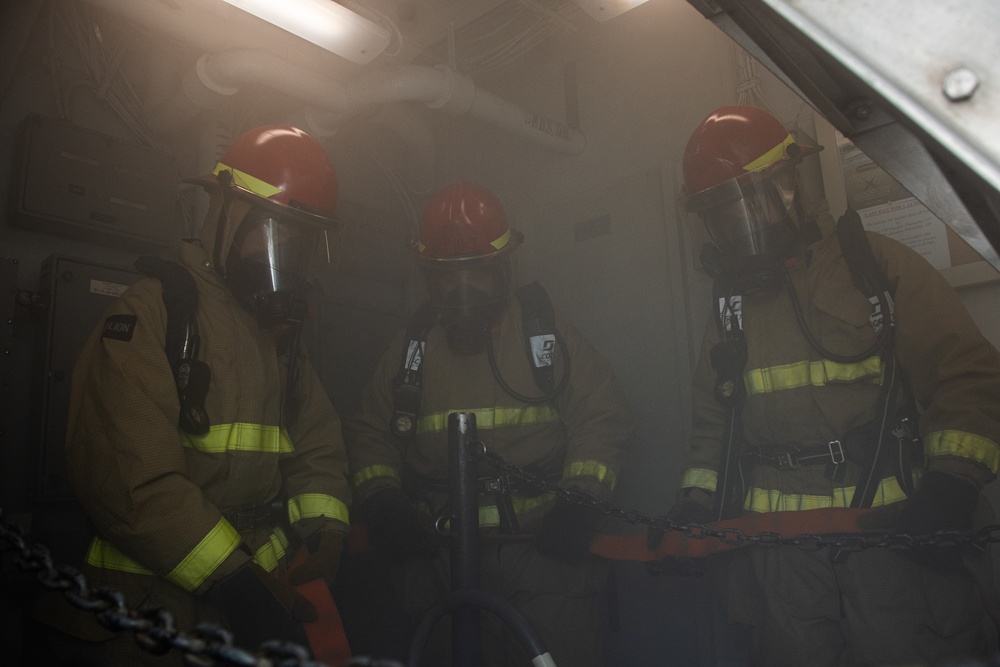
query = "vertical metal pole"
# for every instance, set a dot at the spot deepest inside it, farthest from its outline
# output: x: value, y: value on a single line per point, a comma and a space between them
x: 465, y: 628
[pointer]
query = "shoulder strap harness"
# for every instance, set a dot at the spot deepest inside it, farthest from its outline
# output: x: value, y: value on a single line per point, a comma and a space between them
x: 729, y: 360
x: 180, y: 297
x: 540, y: 336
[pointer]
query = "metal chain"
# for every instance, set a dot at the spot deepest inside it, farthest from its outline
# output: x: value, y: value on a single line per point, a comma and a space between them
x: 736, y: 537
x: 204, y: 646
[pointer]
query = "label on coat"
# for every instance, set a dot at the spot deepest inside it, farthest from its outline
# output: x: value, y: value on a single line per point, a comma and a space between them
x: 542, y: 348
x: 731, y: 312
x: 119, y: 327
x: 414, y: 355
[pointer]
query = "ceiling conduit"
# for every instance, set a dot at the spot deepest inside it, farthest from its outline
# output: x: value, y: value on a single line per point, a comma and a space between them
x: 439, y: 87
x: 233, y: 62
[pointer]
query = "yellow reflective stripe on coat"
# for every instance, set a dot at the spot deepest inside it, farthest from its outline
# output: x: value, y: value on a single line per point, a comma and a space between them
x: 206, y: 557
x: 489, y: 515
x: 811, y: 374
x: 105, y: 555
x: 311, y: 505
x: 487, y: 418
x: 241, y: 437
x: 271, y: 552
x: 772, y: 500
x: 966, y: 445
x: 374, y: 472
x: 594, y: 469
x: 701, y: 478
x: 200, y: 562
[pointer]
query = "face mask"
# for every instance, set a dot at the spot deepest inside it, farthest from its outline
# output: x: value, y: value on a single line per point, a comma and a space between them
x: 750, y: 221
x: 467, y: 315
x: 267, y: 267
x: 470, y: 300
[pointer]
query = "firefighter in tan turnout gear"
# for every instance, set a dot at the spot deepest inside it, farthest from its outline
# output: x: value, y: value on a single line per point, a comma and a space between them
x: 469, y: 346
x: 204, y: 467
x: 840, y: 371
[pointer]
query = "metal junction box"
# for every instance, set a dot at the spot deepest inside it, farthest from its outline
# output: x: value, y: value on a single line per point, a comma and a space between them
x: 89, y: 186
x: 75, y: 295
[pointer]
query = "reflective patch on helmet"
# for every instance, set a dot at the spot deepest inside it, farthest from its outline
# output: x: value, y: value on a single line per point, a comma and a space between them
x: 541, y: 349
x: 249, y: 182
x: 119, y: 327
x: 770, y: 157
x: 502, y: 241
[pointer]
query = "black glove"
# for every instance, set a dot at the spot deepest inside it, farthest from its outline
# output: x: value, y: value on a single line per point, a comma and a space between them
x: 259, y: 607
x: 565, y: 532
x: 942, y: 502
x: 397, y: 528
x: 691, y: 506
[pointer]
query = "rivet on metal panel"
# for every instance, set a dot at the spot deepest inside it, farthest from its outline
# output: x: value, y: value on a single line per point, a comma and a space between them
x: 859, y: 109
x: 960, y: 84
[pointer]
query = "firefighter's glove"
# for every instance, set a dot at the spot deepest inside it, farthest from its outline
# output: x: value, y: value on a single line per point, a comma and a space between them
x: 942, y: 502
x: 325, y: 549
x: 691, y: 506
x: 396, y: 528
x: 565, y: 532
x: 259, y: 607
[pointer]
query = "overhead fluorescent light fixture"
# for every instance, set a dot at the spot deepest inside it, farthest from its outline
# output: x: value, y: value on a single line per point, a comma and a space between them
x: 603, y: 10
x: 325, y: 23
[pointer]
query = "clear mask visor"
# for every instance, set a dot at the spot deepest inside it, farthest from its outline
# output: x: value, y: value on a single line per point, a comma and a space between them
x: 739, y: 212
x: 469, y: 285
x: 277, y: 254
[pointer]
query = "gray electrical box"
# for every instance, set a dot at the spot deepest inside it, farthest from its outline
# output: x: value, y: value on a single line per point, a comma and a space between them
x: 75, y: 293
x: 90, y: 186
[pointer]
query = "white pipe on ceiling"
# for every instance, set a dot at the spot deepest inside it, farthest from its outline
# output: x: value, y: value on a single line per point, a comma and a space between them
x: 438, y: 87
x: 232, y: 62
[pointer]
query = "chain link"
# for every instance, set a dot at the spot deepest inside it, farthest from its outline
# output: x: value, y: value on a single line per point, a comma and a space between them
x: 736, y: 537
x: 207, y: 645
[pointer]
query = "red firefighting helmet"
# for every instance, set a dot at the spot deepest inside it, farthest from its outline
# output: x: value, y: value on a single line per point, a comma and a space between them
x: 739, y: 174
x: 464, y: 223
x: 282, y: 168
x: 733, y: 141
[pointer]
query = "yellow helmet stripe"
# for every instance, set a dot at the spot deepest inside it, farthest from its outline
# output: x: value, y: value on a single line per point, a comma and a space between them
x: 248, y: 182
x: 502, y: 241
x: 770, y: 157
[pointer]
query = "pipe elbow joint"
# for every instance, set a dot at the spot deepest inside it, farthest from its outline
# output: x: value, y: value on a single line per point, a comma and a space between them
x: 458, y: 95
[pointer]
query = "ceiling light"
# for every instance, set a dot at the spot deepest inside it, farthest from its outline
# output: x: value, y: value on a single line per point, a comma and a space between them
x: 325, y: 23
x: 602, y: 10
